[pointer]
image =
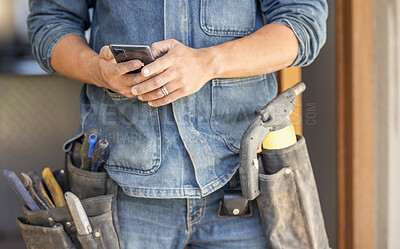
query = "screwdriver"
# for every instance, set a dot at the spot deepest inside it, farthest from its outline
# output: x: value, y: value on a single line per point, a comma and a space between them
x: 28, y: 183
x: 39, y: 189
x: 19, y: 188
x: 100, y: 155
x: 87, y: 147
x: 53, y: 187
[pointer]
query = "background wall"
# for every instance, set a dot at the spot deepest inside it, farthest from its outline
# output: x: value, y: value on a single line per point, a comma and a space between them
x: 37, y: 115
x: 319, y: 124
x: 387, y: 123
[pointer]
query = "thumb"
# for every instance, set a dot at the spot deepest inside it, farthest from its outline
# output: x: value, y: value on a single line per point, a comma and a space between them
x: 105, y: 53
x: 163, y: 47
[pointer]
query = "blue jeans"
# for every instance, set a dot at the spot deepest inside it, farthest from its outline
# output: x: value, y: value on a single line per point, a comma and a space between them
x: 175, y: 223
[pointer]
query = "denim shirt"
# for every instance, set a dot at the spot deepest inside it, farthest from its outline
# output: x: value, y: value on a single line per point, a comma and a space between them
x: 188, y: 148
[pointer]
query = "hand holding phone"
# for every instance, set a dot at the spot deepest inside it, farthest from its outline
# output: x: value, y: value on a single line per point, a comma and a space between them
x: 126, y: 52
x: 113, y: 76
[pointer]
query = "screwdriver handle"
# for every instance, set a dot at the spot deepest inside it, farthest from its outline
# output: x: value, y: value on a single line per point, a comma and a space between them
x: 19, y: 188
x: 92, y: 142
x: 54, y: 188
x: 29, y: 186
x: 100, y: 155
x: 87, y: 147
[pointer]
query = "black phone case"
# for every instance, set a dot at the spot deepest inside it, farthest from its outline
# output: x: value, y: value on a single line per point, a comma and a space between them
x: 126, y: 52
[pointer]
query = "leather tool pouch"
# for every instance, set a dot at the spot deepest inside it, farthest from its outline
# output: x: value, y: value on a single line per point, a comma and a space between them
x: 289, y: 205
x: 54, y: 228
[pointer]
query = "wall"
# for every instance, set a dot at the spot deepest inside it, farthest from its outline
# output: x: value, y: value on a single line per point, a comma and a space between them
x: 37, y: 115
x: 387, y: 123
x: 319, y: 120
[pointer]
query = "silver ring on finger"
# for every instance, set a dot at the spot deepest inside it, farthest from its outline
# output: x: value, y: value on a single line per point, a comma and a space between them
x: 164, y: 90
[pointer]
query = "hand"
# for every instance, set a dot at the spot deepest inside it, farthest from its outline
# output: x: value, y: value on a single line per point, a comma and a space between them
x: 112, y: 75
x: 182, y: 71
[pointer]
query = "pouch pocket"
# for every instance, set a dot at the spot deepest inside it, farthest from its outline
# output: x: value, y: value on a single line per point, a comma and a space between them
x: 227, y: 17
x: 103, y: 236
x: 280, y: 212
x: 289, y: 205
x: 234, y: 103
x: 93, y: 206
x: 39, y: 237
x: 98, y: 209
x: 84, y: 183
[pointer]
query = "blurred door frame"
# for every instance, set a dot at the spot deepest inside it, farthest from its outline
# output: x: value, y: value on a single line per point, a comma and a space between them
x: 287, y: 78
x: 354, y: 24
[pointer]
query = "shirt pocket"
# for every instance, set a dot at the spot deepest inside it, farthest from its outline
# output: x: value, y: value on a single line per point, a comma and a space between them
x: 234, y: 103
x: 228, y: 18
x: 133, y: 129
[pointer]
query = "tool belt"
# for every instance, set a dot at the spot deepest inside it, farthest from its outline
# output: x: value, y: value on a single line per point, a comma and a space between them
x: 55, y: 229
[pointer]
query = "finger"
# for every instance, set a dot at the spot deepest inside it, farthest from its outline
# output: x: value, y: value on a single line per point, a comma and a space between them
x: 122, y: 86
x: 153, y: 83
x: 162, y: 47
x: 157, y: 66
x: 123, y: 90
x: 105, y: 53
x: 128, y: 66
x: 129, y: 80
x: 158, y: 93
x: 134, y: 79
x: 167, y: 99
x: 127, y: 94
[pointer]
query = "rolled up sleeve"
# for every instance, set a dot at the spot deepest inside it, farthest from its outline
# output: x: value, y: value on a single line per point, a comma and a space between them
x: 51, y: 20
x: 307, y: 19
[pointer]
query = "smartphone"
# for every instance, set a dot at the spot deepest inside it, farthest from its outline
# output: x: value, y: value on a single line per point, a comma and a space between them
x: 127, y: 52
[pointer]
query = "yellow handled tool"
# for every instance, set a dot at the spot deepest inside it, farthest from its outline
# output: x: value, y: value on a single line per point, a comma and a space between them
x: 54, y: 188
x: 280, y: 139
x: 46, y: 196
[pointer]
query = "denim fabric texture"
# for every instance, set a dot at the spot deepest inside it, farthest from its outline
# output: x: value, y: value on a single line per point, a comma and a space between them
x: 187, y: 149
x: 174, y: 223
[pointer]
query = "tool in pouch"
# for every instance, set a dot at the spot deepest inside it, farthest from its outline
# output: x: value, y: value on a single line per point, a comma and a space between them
x: 39, y: 189
x: 273, y: 128
x: 78, y: 214
x: 28, y: 183
x: 53, y: 187
x: 19, y: 188
x: 100, y: 155
x: 85, y: 219
x: 87, y: 148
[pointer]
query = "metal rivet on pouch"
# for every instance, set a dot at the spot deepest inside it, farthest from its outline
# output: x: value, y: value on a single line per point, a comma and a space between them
x: 68, y: 224
x: 50, y: 219
x: 97, y: 234
x: 288, y: 171
x: 236, y: 211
